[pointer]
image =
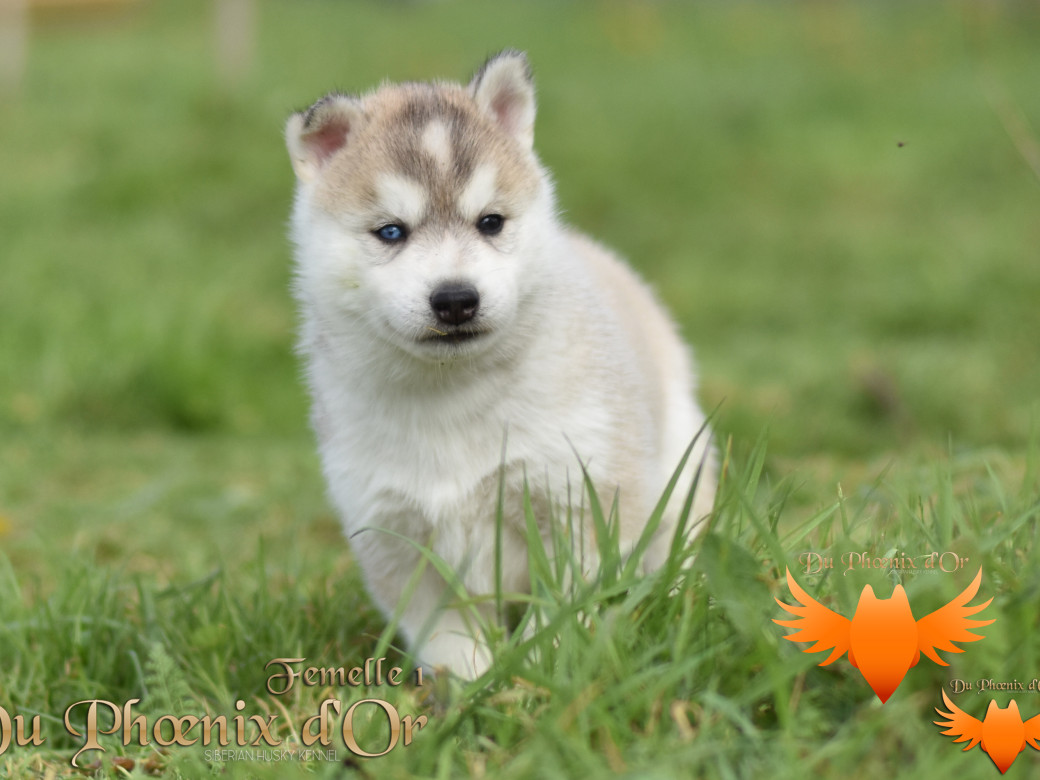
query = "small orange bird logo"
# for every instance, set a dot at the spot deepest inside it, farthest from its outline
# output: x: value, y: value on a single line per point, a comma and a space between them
x: 883, y: 640
x: 1002, y: 732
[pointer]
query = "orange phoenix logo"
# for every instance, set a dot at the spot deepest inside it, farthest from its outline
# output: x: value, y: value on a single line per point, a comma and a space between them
x: 883, y: 640
x: 1002, y: 732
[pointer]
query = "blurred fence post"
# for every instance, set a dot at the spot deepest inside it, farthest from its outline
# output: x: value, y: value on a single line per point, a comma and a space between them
x: 235, y: 34
x: 14, y: 43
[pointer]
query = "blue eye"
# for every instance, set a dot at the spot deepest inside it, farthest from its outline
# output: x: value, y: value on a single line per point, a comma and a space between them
x: 391, y: 234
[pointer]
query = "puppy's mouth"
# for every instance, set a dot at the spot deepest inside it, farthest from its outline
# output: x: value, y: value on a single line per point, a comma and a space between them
x: 451, y: 335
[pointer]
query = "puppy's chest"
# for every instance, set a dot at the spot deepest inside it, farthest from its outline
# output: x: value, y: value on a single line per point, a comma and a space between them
x: 438, y: 463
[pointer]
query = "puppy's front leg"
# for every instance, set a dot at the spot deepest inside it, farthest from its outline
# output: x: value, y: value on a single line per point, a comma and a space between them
x: 443, y: 634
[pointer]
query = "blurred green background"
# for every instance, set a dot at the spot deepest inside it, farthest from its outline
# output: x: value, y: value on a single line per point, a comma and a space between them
x: 840, y: 203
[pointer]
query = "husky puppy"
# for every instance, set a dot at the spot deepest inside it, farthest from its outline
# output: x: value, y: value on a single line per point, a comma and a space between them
x: 459, y: 338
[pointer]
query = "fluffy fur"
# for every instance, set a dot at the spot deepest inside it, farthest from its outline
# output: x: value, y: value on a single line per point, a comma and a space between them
x: 444, y: 355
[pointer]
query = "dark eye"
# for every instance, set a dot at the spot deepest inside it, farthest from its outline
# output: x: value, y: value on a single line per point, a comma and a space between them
x: 490, y: 224
x: 391, y: 234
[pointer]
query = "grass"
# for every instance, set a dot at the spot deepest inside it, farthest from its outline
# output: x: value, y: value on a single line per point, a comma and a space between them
x: 835, y: 200
x: 667, y: 675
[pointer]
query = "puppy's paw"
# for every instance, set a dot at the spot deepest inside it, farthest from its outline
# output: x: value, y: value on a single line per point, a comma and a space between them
x: 460, y: 654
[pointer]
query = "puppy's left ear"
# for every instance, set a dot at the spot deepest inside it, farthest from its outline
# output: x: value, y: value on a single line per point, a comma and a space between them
x: 504, y: 88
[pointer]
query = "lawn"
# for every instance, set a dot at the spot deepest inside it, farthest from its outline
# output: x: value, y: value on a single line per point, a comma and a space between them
x: 839, y: 202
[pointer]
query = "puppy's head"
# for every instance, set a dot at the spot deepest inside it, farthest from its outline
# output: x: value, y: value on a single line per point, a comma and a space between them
x: 420, y: 209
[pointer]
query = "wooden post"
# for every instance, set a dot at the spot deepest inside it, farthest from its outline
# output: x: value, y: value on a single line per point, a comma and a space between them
x: 14, y: 43
x: 235, y: 33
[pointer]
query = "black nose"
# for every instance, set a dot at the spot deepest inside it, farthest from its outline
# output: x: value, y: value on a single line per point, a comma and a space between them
x: 455, y: 303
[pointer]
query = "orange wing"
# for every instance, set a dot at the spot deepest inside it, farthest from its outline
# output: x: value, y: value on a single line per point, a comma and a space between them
x: 815, y: 623
x: 949, y: 624
x: 1033, y: 732
x: 962, y: 725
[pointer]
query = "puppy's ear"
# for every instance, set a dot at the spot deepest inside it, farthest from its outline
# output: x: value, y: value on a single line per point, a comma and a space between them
x: 504, y: 88
x: 316, y: 134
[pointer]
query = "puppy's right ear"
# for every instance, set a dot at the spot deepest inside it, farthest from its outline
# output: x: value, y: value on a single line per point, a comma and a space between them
x: 315, y: 135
